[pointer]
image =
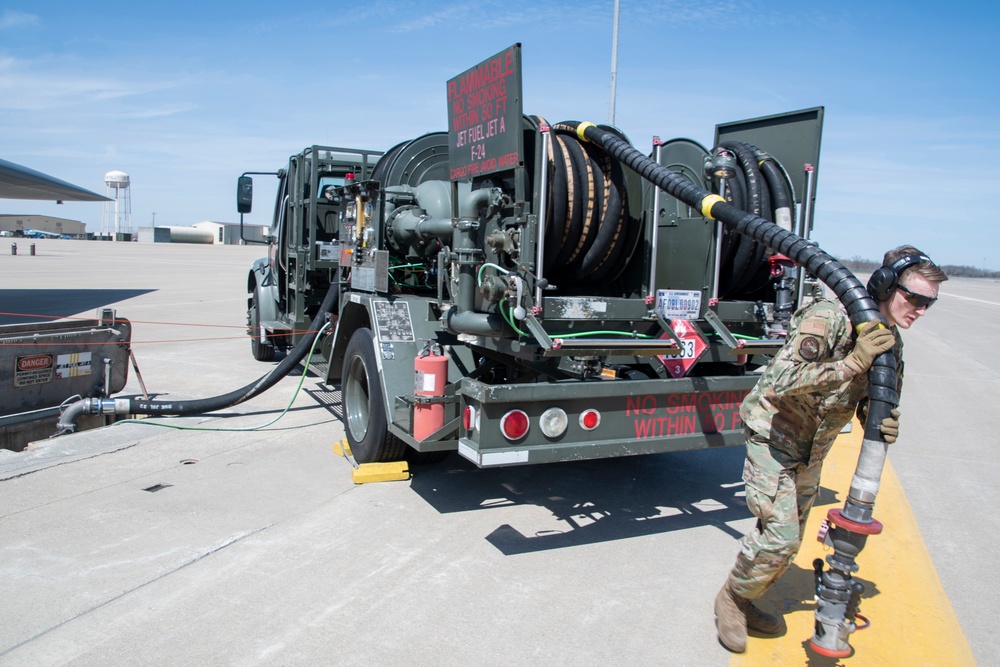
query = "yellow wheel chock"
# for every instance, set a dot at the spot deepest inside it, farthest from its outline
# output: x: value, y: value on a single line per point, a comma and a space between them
x: 362, y: 473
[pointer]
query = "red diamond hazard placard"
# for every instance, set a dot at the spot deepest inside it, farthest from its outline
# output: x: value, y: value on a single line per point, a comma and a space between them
x: 693, y: 345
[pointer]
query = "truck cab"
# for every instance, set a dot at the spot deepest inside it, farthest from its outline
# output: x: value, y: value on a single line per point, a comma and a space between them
x: 285, y: 288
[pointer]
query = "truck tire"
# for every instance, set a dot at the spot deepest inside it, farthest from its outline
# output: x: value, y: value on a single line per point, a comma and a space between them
x: 262, y: 351
x: 365, y: 419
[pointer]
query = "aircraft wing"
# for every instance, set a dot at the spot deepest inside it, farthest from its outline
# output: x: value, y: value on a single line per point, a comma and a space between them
x: 17, y: 182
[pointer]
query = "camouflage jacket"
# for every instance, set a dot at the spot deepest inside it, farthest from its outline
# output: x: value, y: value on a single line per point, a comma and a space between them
x: 807, y: 394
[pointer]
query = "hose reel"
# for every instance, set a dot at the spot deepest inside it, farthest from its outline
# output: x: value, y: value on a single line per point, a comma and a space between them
x: 589, y: 238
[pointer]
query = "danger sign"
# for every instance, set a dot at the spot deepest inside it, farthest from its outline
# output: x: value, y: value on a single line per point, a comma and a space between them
x: 34, y: 369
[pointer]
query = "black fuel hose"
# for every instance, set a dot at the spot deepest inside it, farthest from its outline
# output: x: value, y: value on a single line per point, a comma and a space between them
x: 861, y: 308
x: 580, y: 202
x: 748, y: 253
x: 781, y: 203
x: 139, y: 406
x: 776, y: 183
x: 562, y: 205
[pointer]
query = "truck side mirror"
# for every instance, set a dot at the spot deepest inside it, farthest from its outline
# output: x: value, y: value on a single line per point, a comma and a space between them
x: 244, y: 194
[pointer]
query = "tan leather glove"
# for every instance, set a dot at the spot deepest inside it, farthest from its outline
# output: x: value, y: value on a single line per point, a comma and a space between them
x: 890, y: 427
x: 872, y: 341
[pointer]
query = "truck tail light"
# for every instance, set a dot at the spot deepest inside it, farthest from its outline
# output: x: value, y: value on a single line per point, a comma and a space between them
x: 553, y: 422
x: 514, y: 425
x: 469, y: 418
x: 590, y: 419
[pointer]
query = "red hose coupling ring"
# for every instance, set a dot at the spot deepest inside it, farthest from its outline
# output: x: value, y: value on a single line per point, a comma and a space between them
x: 840, y: 521
x: 830, y: 652
x: 778, y: 263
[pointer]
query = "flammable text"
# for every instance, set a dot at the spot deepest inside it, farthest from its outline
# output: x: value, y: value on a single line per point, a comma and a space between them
x: 478, y: 116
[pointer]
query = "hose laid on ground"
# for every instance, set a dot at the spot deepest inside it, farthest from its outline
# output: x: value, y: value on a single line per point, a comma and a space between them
x: 838, y: 595
x: 139, y: 406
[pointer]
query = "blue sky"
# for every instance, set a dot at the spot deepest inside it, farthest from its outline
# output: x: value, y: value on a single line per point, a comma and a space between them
x: 186, y: 96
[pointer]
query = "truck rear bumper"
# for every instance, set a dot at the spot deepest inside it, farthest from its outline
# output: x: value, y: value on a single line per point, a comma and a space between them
x: 634, y: 417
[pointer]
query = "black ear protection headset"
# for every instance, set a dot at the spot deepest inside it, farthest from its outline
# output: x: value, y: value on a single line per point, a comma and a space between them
x: 885, y: 279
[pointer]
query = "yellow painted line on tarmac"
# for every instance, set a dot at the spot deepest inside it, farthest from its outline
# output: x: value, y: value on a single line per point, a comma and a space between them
x: 912, y: 622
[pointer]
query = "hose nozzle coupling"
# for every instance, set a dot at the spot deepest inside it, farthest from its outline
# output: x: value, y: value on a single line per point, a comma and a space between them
x: 837, y: 595
x: 90, y: 406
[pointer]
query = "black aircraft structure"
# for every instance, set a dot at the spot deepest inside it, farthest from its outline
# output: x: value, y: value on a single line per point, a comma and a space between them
x: 19, y: 182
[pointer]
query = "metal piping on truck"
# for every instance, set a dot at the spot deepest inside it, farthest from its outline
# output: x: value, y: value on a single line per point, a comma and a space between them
x: 850, y: 527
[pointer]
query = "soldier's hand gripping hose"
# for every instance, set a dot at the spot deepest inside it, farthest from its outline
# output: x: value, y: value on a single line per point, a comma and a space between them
x: 890, y: 427
x: 873, y: 340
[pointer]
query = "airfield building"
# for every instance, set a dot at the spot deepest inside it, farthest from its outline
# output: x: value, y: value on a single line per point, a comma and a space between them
x: 17, y: 224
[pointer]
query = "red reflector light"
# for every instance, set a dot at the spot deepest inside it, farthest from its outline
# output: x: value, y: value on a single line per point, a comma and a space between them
x: 590, y: 419
x: 469, y: 418
x: 514, y: 425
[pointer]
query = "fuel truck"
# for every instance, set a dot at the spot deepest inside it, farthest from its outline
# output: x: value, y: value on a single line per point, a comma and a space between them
x: 512, y: 291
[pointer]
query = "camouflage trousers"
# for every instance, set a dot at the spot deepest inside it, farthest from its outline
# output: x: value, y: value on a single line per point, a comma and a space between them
x: 780, y: 494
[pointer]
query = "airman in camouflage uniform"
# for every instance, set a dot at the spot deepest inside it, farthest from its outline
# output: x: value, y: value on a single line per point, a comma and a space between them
x: 791, y: 419
x: 804, y: 398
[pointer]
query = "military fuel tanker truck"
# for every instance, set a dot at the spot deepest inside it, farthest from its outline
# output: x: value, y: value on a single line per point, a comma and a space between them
x: 509, y: 290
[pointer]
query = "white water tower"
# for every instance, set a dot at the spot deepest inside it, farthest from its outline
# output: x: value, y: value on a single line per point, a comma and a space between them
x: 117, y: 218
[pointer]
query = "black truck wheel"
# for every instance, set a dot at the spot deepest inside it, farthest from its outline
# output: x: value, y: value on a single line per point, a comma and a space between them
x: 365, y: 419
x: 262, y: 350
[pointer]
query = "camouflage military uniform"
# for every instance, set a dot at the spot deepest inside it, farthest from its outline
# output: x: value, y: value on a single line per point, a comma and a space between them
x: 799, y: 406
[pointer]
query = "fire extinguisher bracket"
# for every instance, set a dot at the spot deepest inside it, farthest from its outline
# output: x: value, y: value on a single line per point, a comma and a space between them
x: 419, y: 398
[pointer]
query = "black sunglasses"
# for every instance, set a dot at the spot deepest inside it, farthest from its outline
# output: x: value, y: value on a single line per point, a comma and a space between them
x: 916, y: 299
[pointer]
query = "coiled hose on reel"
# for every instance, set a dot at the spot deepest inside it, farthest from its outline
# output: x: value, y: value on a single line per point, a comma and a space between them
x: 589, y: 240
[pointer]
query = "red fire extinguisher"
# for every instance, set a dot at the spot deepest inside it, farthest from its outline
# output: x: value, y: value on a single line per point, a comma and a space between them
x: 430, y: 376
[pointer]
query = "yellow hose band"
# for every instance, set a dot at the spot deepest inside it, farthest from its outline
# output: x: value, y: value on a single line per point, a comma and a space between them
x: 861, y: 326
x: 581, y: 128
x: 707, y: 203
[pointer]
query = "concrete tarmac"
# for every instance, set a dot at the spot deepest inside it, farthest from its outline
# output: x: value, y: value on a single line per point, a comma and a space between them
x: 139, y: 543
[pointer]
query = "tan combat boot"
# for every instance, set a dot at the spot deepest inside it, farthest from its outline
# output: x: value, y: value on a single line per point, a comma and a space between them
x: 731, y: 619
x: 763, y: 622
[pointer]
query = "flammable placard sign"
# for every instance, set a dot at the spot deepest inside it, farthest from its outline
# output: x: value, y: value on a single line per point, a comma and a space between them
x: 693, y: 345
